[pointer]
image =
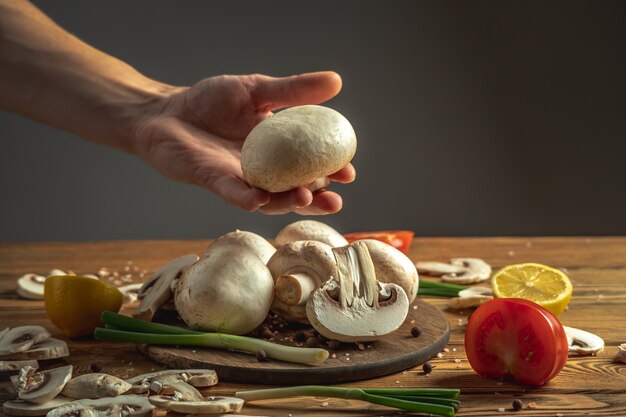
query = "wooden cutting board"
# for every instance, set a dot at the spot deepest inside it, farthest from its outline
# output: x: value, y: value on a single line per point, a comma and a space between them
x: 393, y: 353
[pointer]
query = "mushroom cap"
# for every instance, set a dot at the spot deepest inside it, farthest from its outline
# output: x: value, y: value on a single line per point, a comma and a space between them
x: 229, y: 290
x: 52, y: 382
x: 296, y: 147
x: 253, y: 242
x: 581, y: 342
x: 310, y: 230
x: 393, y: 266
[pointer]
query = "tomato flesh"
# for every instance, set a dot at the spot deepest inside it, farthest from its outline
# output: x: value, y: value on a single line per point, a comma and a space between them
x: 399, y: 239
x: 517, y: 338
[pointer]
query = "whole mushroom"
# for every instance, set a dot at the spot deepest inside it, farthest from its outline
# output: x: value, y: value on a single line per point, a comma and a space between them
x: 310, y: 230
x: 296, y: 147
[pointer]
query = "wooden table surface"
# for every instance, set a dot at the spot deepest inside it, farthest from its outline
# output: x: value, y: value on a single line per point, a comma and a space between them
x: 587, y: 386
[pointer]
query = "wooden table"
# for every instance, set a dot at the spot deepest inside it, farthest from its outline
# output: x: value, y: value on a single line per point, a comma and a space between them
x: 588, y: 386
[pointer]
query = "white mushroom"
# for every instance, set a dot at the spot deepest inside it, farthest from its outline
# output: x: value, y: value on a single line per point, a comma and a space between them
x: 355, y: 307
x: 582, y: 342
x: 122, y: 405
x: 209, y: 405
x: 6, y: 366
x: 26, y: 409
x: 48, y: 349
x: 621, y: 354
x: 55, y: 272
x: 460, y: 270
x: 156, y: 291
x: 131, y: 292
x: 31, y: 286
x: 296, y: 147
x: 199, y: 378
x: 471, y: 297
x: 298, y: 269
x: 310, y: 230
x: 22, y: 338
x: 258, y: 245
x: 39, y: 387
x: 95, y: 385
x: 229, y: 290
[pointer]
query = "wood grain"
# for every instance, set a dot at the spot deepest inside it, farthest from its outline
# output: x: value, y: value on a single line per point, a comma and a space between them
x: 589, y: 386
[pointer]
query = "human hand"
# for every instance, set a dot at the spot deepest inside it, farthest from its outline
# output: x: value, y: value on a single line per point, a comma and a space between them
x: 195, y: 135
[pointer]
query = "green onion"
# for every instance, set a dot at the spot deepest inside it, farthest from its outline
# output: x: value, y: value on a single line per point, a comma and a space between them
x: 420, y: 400
x: 439, y: 289
x: 127, y: 329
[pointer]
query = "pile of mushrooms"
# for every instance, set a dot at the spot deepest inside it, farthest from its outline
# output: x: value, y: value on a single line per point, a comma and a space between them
x: 56, y: 394
x: 26, y: 345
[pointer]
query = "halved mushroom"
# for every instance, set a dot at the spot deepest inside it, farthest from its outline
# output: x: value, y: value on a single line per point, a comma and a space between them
x: 355, y: 307
x: 199, y: 378
x: 298, y: 269
x: 39, y: 387
x: 48, y: 349
x: 31, y: 286
x: 131, y: 292
x: 19, y: 339
x: 582, y: 342
x: 26, y: 409
x: 310, y: 230
x: 6, y: 366
x: 156, y: 291
x: 209, y: 405
x: 95, y: 385
x: 471, y: 297
x: 459, y: 270
x: 122, y: 405
x: 258, y: 245
x: 621, y: 354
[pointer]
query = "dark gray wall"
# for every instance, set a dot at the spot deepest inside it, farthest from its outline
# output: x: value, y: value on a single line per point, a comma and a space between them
x: 473, y: 118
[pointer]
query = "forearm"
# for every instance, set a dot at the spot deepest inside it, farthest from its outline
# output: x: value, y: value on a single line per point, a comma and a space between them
x: 51, y: 76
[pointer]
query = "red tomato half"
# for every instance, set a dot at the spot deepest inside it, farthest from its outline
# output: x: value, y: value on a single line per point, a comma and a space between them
x: 399, y: 239
x: 518, y: 338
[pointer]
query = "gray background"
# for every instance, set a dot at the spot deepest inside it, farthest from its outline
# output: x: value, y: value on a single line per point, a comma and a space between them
x: 473, y: 118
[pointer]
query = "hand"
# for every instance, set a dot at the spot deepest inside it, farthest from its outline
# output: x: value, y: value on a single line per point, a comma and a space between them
x: 195, y: 135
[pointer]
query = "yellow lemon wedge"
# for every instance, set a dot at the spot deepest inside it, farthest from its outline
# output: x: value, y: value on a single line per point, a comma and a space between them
x: 546, y: 286
x: 74, y: 304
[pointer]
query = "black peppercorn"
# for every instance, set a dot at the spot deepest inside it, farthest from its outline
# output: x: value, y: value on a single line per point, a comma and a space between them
x: 427, y: 368
x: 517, y: 404
x: 416, y: 331
x: 261, y: 356
x: 312, y: 342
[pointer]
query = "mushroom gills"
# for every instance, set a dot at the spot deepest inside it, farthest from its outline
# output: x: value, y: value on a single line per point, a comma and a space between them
x: 356, y: 307
x: 39, y: 387
x: 581, y: 342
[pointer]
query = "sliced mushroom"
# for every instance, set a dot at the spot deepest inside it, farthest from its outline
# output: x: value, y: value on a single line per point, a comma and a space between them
x: 3, y: 332
x: 96, y: 385
x: 156, y: 291
x: 210, y: 405
x: 459, y: 271
x: 258, y: 245
x: 56, y: 272
x: 310, y: 230
x: 199, y: 378
x: 26, y: 409
x: 19, y: 339
x: 355, y: 307
x: 39, y: 387
x: 582, y: 342
x: 621, y: 354
x: 298, y: 269
x: 6, y: 366
x: 131, y: 292
x: 48, y: 349
x: 471, y: 297
x: 122, y: 405
x: 31, y: 286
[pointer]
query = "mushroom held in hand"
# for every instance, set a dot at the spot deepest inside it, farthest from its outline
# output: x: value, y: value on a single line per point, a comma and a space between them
x: 355, y: 307
x: 296, y: 147
x: 229, y: 290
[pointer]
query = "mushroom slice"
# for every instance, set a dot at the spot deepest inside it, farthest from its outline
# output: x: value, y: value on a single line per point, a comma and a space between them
x: 31, y: 286
x: 582, y: 342
x: 471, y: 297
x: 621, y: 354
x: 200, y: 378
x: 156, y: 291
x: 48, y: 349
x: 95, y: 385
x: 459, y: 271
x: 298, y: 269
x: 26, y: 409
x: 355, y: 307
x: 19, y: 339
x: 6, y: 366
x: 39, y: 387
x: 209, y: 405
x: 123, y: 405
x: 310, y: 230
x: 131, y: 292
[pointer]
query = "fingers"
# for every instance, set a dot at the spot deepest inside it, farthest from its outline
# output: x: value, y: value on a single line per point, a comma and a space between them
x: 240, y: 194
x: 324, y: 202
x: 285, y: 202
x: 271, y: 93
x: 345, y: 175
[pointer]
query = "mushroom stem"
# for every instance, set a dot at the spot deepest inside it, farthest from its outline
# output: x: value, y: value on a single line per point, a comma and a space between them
x: 295, y: 289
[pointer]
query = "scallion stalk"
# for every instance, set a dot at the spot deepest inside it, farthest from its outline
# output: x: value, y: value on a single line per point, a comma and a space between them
x: 439, y: 289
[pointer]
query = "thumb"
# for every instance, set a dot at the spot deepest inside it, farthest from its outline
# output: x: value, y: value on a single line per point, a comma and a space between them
x: 272, y: 93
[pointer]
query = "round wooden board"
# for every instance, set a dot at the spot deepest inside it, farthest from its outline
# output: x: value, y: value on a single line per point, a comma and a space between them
x: 393, y: 353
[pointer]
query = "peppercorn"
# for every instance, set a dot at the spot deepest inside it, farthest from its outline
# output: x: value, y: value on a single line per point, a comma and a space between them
x: 312, y: 342
x: 427, y: 368
x: 416, y: 331
x: 261, y: 356
x: 517, y: 404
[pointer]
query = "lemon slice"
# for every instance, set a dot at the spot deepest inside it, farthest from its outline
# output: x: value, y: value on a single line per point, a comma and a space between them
x: 546, y: 286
